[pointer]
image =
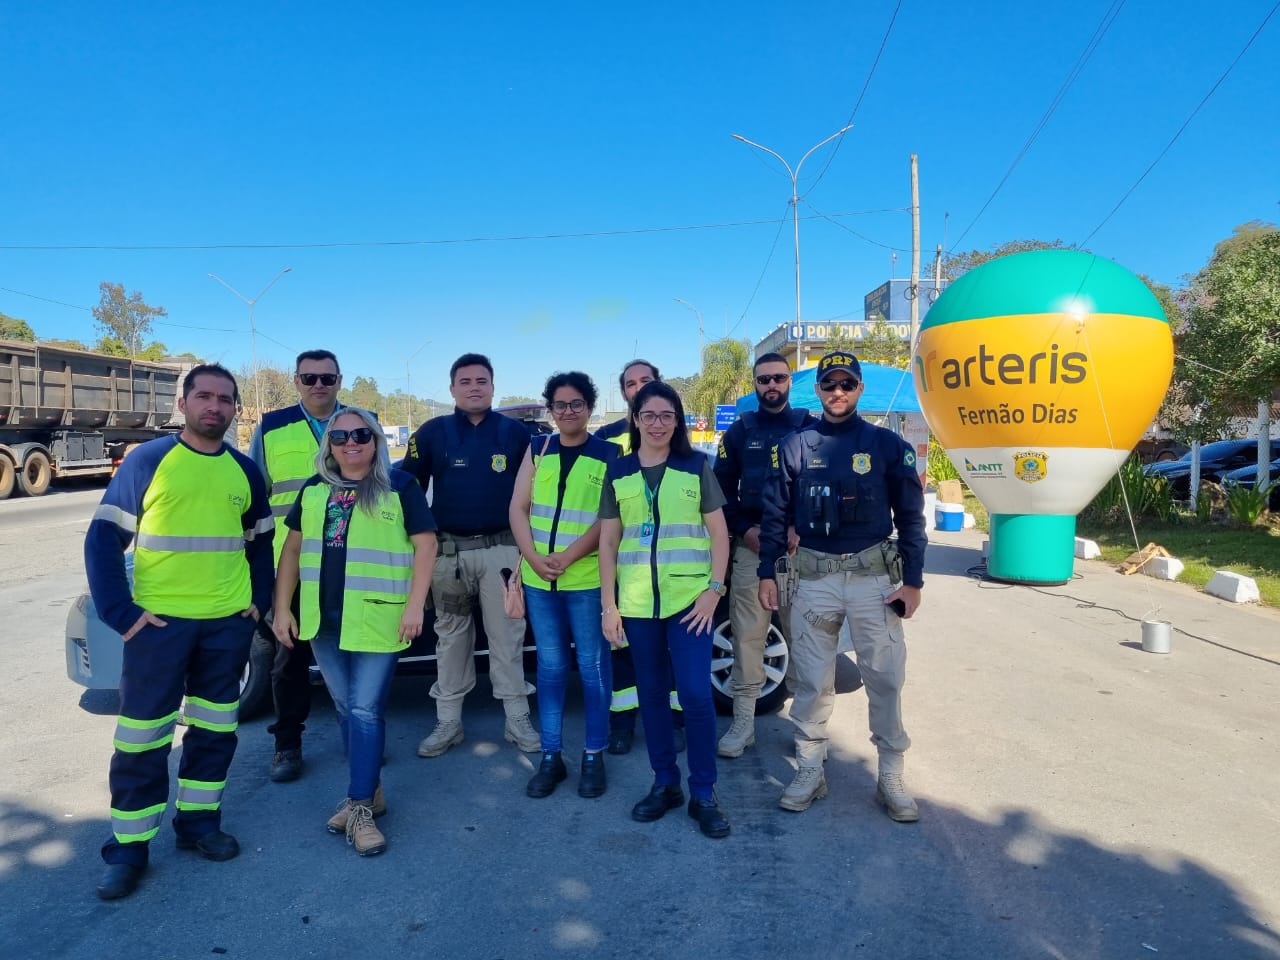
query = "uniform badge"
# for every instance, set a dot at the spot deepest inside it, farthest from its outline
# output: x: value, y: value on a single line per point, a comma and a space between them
x: 862, y: 463
x: 498, y: 462
x: 908, y: 458
x: 1030, y: 466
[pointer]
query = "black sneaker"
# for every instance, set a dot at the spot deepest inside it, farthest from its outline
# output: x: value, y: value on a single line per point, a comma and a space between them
x: 620, y: 741
x: 592, y: 781
x: 655, y: 805
x: 286, y: 765
x: 550, y: 772
x: 710, y: 820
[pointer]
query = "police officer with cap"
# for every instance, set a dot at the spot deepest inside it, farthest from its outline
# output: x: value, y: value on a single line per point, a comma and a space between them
x: 742, y: 466
x: 845, y: 484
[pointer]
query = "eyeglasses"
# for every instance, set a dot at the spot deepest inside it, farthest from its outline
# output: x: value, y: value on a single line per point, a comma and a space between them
x: 650, y: 417
x: 361, y: 435
x: 767, y: 378
x: 560, y: 406
x: 844, y: 385
x: 309, y: 379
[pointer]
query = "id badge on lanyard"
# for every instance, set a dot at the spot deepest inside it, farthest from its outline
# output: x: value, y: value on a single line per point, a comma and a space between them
x: 646, y: 528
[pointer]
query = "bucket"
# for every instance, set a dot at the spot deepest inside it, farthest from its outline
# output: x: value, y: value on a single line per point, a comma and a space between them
x: 949, y: 516
x: 1157, y: 636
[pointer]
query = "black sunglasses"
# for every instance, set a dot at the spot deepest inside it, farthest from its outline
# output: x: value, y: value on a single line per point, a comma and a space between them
x: 360, y: 435
x: 844, y: 385
x: 309, y: 379
x: 767, y: 378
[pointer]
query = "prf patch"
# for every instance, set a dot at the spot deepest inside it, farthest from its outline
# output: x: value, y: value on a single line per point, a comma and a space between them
x: 498, y: 462
x: 862, y: 463
x: 1031, y: 466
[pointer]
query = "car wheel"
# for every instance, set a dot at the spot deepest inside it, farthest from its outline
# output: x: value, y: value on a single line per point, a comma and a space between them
x: 255, y: 682
x: 776, y: 658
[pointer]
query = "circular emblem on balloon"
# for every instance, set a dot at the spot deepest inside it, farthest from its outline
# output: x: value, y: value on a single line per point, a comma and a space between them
x: 1039, y: 372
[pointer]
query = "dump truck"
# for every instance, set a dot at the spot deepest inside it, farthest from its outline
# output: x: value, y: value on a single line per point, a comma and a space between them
x: 70, y: 413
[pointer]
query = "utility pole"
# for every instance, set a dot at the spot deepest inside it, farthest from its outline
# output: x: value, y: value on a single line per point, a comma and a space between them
x: 915, y: 251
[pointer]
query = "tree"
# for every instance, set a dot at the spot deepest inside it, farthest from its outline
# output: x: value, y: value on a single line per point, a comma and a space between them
x: 124, y: 321
x: 881, y: 344
x: 843, y: 338
x: 64, y: 344
x: 11, y: 328
x: 954, y: 265
x: 684, y: 386
x: 726, y: 375
x: 511, y: 401
x: 364, y: 393
x: 274, y: 384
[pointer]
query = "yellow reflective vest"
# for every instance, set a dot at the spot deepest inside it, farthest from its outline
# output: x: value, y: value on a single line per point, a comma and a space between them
x: 289, y: 448
x: 560, y: 515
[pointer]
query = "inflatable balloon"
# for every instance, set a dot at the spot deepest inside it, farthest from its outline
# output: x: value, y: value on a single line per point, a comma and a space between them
x: 1039, y: 372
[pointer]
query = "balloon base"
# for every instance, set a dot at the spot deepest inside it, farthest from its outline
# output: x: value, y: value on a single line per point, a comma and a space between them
x: 1036, y: 549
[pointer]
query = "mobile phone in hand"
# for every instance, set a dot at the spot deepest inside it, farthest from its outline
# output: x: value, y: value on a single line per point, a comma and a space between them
x: 898, y: 606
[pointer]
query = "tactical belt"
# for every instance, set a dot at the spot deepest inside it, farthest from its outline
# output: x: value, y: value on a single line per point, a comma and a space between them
x: 813, y: 564
x: 451, y: 543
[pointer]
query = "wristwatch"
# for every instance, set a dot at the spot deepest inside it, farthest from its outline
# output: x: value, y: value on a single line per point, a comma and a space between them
x: 718, y: 587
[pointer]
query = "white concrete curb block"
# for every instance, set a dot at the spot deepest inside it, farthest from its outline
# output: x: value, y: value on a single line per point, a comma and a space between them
x: 1163, y: 568
x: 1234, y: 587
x: 1087, y: 549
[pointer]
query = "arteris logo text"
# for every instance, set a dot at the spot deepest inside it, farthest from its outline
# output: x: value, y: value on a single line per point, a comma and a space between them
x: 984, y: 367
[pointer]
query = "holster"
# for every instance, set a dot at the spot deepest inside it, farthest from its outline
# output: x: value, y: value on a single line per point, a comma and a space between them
x: 892, y: 560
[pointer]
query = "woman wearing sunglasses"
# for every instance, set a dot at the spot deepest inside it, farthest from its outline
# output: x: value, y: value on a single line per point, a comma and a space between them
x: 362, y: 541
x: 665, y: 547
x: 553, y: 518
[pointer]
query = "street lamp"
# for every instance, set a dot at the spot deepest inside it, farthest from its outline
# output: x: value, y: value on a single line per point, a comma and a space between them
x: 408, y: 384
x: 253, y: 330
x: 697, y: 312
x: 795, y: 214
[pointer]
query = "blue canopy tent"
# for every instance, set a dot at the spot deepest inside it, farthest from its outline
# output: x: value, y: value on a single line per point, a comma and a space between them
x: 888, y: 390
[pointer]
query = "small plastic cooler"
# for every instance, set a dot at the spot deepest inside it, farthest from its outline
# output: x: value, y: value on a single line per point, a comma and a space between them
x: 949, y: 516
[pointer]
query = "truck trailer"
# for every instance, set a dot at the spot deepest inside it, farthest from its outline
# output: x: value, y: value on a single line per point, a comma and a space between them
x: 70, y: 413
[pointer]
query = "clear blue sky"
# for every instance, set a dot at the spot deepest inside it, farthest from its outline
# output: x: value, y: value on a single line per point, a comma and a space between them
x: 250, y: 124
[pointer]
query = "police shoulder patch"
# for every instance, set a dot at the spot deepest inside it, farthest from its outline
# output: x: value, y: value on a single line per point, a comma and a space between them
x: 909, y: 457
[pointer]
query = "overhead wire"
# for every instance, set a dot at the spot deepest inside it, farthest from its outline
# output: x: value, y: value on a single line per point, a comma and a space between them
x: 1100, y: 31
x: 1168, y: 146
x: 860, y: 236
x: 763, y: 270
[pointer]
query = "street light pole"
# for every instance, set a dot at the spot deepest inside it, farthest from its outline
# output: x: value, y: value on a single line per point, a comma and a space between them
x: 698, y: 313
x: 408, y: 383
x: 795, y: 216
x: 253, y: 331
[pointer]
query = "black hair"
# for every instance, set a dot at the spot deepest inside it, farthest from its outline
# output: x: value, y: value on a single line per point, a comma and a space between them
x: 622, y: 376
x: 217, y: 370
x: 470, y: 360
x: 317, y: 355
x: 577, y: 380
x: 769, y: 358
x: 680, y: 437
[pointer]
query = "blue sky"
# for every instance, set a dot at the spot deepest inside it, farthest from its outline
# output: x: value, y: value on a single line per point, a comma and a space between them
x: 237, y: 126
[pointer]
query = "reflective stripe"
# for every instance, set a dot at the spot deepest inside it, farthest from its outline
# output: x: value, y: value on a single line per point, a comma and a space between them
x: 218, y: 717
x: 287, y: 486
x: 136, y: 826
x: 154, y: 541
x: 385, y: 557
x: 587, y: 517
x: 627, y: 698
x: 665, y: 556
x: 631, y: 533
x: 545, y: 511
x: 563, y: 540
x: 117, y: 515
x: 683, y: 530
x: 399, y: 588
x: 137, y: 736
x: 309, y: 575
x: 199, y: 794
x: 265, y: 525
x: 675, y: 702
x: 281, y: 509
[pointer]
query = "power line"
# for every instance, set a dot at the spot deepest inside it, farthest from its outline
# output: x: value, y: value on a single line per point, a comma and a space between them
x: 1100, y: 31
x: 1185, y: 124
x: 156, y: 247
x: 860, y: 236
x: 866, y: 84
x: 767, y: 260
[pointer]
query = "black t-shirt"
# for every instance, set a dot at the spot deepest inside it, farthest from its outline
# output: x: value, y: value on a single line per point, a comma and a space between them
x: 710, y: 495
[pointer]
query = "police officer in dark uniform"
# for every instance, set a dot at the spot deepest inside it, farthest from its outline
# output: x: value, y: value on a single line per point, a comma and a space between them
x: 470, y: 458
x: 742, y: 466
x: 845, y: 485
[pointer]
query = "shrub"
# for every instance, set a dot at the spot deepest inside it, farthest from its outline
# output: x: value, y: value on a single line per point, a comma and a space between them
x: 940, y: 465
x: 1245, y: 504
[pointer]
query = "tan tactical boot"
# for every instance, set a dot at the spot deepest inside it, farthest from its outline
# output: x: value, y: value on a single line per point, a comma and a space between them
x: 338, y: 822
x: 361, y: 832
x: 519, y: 730
x: 891, y: 792
x: 810, y: 784
x: 448, y: 733
x: 743, y: 732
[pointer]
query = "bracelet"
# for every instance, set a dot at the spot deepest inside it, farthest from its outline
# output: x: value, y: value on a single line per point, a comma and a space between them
x: 605, y: 613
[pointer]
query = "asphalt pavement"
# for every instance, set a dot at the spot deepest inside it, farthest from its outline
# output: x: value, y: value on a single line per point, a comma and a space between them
x: 1079, y: 798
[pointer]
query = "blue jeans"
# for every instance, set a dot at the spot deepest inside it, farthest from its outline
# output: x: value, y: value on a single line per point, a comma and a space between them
x: 360, y: 684
x: 659, y: 649
x: 557, y: 616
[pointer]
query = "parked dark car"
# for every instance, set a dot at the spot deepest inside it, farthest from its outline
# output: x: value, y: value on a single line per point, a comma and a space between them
x: 1248, y: 477
x: 1216, y: 459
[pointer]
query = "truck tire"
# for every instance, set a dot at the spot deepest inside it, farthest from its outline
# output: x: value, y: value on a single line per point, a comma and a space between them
x: 255, y: 684
x: 36, y: 473
x: 8, y: 476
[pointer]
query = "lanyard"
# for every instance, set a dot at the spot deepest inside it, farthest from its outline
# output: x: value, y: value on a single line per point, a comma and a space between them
x: 650, y: 493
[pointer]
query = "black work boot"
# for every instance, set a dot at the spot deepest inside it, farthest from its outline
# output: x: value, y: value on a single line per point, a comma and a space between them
x: 657, y: 802
x: 550, y: 772
x: 591, y: 783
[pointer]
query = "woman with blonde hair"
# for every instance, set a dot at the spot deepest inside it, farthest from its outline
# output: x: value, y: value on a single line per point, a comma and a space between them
x: 361, y: 539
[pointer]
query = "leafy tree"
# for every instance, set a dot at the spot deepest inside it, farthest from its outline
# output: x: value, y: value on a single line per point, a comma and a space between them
x: 274, y: 384
x: 511, y: 401
x: 684, y: 386
x: 124, y: 319
x: 1172, y: 310
x: 11, y: 328
x: 726, y: 375
x: 956, y: 264
x: 115, y: 347
x: 64, y: 344
x: 362, y: 393
x: 881, y: 344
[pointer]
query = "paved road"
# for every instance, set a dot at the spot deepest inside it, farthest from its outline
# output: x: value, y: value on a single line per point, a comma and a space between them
x: 1079, y: 798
